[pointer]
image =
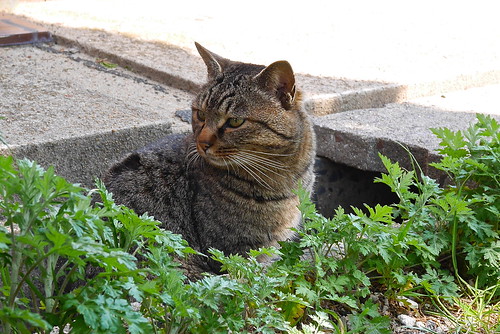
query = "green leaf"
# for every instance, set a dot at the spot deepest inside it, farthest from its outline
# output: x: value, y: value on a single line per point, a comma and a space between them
x: 491, y: 254
x: 19, y: 319
x: 304, y: 289
x: 439, y: 283
x: 292, y: 311
x: 380, y: 213
x: 453, y: 142
x: 347, y: 300
x: 106, y: 64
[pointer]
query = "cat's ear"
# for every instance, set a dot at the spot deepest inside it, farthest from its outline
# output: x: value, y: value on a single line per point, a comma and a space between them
x: 278, y: 78
x: 215, y: 63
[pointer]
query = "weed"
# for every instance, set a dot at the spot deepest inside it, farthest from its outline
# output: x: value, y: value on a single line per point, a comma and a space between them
x: 105, y: 63
x: 101, y: 268
x: 472, y: 161
x: 476, y: 311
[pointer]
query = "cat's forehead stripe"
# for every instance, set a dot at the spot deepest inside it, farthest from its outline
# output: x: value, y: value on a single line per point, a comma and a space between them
x: 205, y: 97
x: 225, y: 98
x: 219, y: 98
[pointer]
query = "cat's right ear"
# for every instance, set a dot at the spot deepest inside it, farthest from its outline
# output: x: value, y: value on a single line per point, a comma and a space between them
x: 215, y: 63
x: 278, y: 78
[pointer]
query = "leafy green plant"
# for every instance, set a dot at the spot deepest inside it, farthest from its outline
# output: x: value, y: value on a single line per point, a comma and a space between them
x: 53, y: 239
x: 401, y: 249
x: 338, y: 262
x: 66, y: 260
x: 472, y: 162
x: 97, y: 266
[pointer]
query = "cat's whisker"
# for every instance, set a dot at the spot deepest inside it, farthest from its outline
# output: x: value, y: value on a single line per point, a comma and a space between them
x: 267, y: 153
x: 263, y: 165
x: 267, y: 161
x: 228, y: 164
x: 251, y: 171
x: 192, y: 156
x: 255, y: 176
x: 256, y: 169
x: 262, y: 169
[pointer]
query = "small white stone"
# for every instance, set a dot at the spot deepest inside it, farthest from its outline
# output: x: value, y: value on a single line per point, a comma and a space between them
x: 407, y: 302
x: 406, y: 320
x: 420, y: 324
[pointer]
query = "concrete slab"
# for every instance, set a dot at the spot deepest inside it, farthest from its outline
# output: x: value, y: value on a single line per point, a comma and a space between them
x: 385, y: 41
x: 181, y: 67
x: 477, y: 100
x: 63, y: 109
x: 355, y: 138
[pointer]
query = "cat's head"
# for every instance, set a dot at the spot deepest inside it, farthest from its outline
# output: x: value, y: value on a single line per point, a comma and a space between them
x: 247, y: 116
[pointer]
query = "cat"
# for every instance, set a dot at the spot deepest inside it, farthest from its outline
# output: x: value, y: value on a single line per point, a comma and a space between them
x: 231, y: 184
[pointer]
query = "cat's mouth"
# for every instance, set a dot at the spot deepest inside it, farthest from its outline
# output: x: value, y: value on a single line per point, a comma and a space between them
x: 216, y: 158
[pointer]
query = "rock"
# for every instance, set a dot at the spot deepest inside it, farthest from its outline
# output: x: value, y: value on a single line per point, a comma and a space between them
x: 420, y: 324
x: 407, y: 303
x: 406, y: 320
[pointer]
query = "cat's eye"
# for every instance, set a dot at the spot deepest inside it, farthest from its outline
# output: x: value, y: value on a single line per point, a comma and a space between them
x: 235, y: 122
x: 201, y: 115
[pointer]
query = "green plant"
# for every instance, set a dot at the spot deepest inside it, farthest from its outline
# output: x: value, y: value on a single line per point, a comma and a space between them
x: 472, y: 162
x: 401, y: 249
x: 53, y: 238
x: 105, y: 63
x: 97, y: 266
x: 476, y: 311
x: 66, y: 260
x: 338, y: 262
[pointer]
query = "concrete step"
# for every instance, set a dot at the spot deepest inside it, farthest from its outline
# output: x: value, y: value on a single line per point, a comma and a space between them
x: 64, y: 109
x: 182, y: 68
x: 356, y: 137
x: 348, y: 55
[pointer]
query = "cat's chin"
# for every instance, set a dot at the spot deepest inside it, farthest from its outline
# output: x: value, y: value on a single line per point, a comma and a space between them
x: 216, y: 162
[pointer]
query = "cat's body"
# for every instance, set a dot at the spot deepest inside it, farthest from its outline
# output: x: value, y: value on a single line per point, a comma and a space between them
x: 229, y: 185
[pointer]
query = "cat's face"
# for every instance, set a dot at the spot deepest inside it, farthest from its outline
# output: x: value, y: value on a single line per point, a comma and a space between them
x: 243, y: 116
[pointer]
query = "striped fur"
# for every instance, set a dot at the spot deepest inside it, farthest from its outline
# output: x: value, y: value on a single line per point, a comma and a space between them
x: 230, y: 184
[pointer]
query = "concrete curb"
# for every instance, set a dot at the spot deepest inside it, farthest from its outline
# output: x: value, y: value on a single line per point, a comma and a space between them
x: 178, y: 68
x: 355, y: 138
x: 182, y: 70
x: 82, y: 159
x: 376, y: 97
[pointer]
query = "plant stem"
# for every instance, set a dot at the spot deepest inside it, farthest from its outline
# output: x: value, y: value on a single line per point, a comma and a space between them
x: 26, y: 275
x: 49, y: 281
x: 15, y: 285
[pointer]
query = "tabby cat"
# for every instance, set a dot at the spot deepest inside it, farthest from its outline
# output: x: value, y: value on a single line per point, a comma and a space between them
x: 230, y: 184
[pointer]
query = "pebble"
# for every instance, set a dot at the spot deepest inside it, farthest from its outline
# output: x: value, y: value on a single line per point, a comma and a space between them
x: 406, y: 320
x: 407, y: 302
x: 420, y: 324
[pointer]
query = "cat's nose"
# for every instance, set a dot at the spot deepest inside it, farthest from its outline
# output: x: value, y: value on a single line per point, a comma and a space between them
x: 204, y: 146
x: 206, y: 139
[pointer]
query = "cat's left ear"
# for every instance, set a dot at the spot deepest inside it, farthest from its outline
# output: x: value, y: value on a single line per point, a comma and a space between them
x: 215, y: 63
x: 278, y: 78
